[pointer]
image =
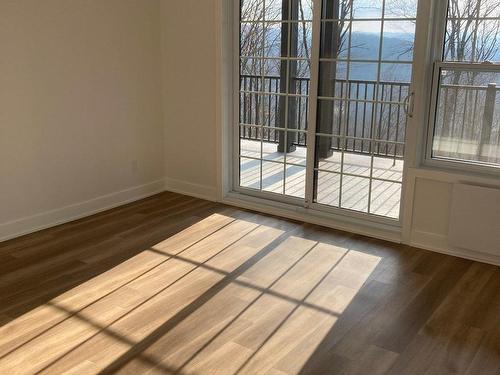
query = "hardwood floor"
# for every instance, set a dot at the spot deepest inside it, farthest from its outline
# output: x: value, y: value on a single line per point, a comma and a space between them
x: 173, y: 284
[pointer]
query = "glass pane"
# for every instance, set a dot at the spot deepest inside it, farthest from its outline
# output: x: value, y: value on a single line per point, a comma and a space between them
x: 252, y: 108
x: 365, y: 40
x: 364, y: 72
x: 406, y: 9
x: 332, y: 79
x: 395, y: 72
x: 330, y: 115
x: 295, y: 183
x: 272, y: 177
x: 250, y: 144
x: 367, y: 9
x: 250, y: 173
x: 385, y: 199
x: 391, y: 122
x: 304, y: 36
x: 472, y: 31
x: 334, y: 39
x: 357, y: 164
x: 273, y: 34
x: 354, y: 194
x: 270, y: 148
x: 273, y: 10
x: 250, y: 67
x: 390, y: 165
x: 271, y: 113
x: 303, y: 71
x: 306, y: 10
x: 329, y: 154
x: 328, y: 188
x: 358, y: 123
x: 298, y: 112
x: 297, y: 153
x: 398, y: 40
x: 467, y: 8
x: 272, y: 68
x: 468, y: 117
x: 251, y: 39
x: 251, y: 10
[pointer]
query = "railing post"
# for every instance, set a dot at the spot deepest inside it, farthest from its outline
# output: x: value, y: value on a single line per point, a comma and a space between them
x: 489, y: 109
x: 331, y: 39
x: 289, y: 48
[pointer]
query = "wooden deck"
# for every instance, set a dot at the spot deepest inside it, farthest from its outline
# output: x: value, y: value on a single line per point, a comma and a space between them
x: 385, y: 196
x: 177, y: 285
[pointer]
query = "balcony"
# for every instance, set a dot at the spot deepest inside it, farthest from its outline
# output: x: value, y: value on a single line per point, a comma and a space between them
x: 352, y: 146
x: 359, y: 132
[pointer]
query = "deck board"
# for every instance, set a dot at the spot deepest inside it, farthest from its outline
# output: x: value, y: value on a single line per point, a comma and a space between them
x: 385, y: 195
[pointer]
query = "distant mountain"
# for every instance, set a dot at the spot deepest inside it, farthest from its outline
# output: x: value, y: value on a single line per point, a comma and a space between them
x: 396, y: 48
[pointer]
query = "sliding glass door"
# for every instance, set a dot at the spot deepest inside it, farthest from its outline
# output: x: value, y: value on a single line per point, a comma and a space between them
x: 324, y: 93
x: 275, y: 75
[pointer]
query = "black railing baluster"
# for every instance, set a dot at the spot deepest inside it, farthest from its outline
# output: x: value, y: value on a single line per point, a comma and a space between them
x: 299, y: 111
x: 306, y: 120
x: 398, y: 122
x: 355, y: 120
x: 364, y: 119
x: 379, y: 127
x: 389, y: 121
x: 245, y: 106
x: 269, y: 110
x: 357, y: 128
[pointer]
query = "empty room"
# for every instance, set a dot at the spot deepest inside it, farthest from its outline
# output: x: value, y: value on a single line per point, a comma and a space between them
x: 250, y: 187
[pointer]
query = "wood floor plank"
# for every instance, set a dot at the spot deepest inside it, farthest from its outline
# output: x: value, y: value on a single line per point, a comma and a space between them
x: 174, y: 284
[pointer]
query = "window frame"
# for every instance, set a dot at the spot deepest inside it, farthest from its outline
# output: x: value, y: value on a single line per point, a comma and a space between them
x: 438, y: 63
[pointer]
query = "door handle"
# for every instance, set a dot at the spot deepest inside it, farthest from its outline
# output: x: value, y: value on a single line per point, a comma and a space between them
x: 408, y: 104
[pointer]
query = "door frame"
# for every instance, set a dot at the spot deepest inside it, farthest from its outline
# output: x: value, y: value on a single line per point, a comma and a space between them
x: 297, y: 208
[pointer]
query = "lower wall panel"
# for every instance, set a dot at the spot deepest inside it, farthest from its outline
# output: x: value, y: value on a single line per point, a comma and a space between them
x: 188, y: 188
x: 78, y: 210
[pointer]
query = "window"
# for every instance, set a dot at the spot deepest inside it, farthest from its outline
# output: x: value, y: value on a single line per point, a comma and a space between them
x: 466, y: 100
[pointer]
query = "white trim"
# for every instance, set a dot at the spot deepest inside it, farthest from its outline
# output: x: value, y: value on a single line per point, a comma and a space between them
x: 290, y: 211
x: 224, y: 94
x: 313, y: 103
x: 436, y: 46
x: 439, y: 243
x: 79, y: 210
x: 454, y: 176
x: 205, y: 192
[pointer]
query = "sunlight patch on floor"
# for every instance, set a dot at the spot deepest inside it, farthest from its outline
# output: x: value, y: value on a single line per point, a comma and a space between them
x: 222, y: 288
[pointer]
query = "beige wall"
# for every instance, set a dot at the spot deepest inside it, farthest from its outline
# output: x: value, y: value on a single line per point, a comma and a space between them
x: 190, y: 101
x: 80, y: 102
x: 81, y: 106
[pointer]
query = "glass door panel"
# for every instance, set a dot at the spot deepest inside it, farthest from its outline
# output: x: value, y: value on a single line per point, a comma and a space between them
x: 274, y: 75
x: 365, y: 66
x: 323, y: 91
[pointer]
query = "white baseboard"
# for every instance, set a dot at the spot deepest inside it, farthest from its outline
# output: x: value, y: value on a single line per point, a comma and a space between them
x: 79, y: 210
x: 439, y: 244
x: 188, y: 188
x: 380, y: 231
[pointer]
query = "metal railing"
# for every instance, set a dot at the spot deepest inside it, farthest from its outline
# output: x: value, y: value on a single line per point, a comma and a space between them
x: 357, y: 119
x: 468, y: 122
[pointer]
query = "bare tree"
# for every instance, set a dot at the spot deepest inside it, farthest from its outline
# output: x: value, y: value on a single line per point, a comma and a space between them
x: 472, y: 35
x: 469, y: 37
